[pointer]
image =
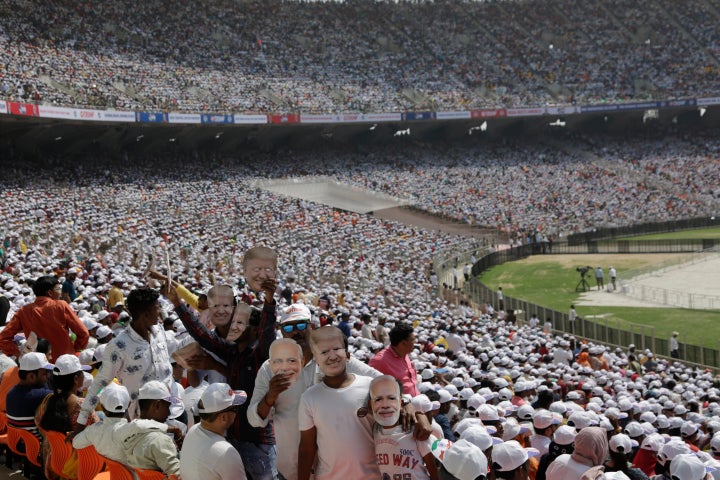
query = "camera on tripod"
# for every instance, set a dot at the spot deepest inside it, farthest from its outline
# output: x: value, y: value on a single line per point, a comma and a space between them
x: 583, y: 284
x: 583, y: 270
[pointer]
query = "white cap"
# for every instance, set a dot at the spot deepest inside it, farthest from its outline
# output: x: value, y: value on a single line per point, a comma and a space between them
x: 621, y: 443
x: 466, y: 393
x: 672, y: 449
x: 445, y: 396
x: 687, y: 467
x: 510, y: 455
x: 487, y: 412
x: 689, y: 429
x: 32, y: 361
x: 715, y: 444
x: 512, y: 428
x: 653, y: 442
x: 475, y: 401
x: 634, y: 429
x: 156, y: 390
x: 464, y: 461
x: 544, y: 418
x: 580, y: 420
x: 422, y: 403
x: 89, y: 323
x: 295, y: 312
x: 505, y: 394
x: 103, y: 331
x: 479, y: 436
x: 525, y: 412
x: 564, y: 435
x: 219, y: 396
x: 86, y: 356
x: 114, y: 398
x: 68, y: 364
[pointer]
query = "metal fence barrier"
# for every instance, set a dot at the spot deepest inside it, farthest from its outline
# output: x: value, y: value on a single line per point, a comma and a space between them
x: 608, y: 332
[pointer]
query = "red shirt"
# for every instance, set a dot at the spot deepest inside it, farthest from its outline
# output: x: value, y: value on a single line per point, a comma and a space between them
x: 390, y: 363
x: 49, y: 319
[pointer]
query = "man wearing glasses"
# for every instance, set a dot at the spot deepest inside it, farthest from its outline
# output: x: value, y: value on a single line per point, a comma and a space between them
x: 244, y: 355
x: 280, y: 394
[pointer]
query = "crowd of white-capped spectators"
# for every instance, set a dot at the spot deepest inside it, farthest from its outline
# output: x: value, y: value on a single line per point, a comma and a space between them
x: 320, y: 57
x: 514, y: 187
x: 195, y: 216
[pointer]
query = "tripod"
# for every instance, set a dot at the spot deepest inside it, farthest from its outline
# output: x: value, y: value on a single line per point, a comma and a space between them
x: 582, y: 284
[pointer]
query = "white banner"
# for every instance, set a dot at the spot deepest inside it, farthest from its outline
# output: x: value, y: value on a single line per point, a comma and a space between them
x: 308, y: 118
x: 48, y: 111
x: 371, y: 117
x: 565, y: 110
x: 451, y: 115
x: 525, y: 112
x: 113, y: 116
x: 708, y: 101
x: 251, y: 119
x: 183, y: 118
x: 3, y: 107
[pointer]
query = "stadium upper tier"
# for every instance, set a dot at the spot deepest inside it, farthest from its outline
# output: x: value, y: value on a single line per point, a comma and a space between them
x: 356, y: 56
x: 516, y: 187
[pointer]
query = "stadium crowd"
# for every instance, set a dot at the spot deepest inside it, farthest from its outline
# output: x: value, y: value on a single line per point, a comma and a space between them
x: 331, y: 57
x: 104, y: 232
x: 515, y: 187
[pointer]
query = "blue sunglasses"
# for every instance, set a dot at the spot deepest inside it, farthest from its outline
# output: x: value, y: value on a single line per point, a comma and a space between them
x: 297, y: 326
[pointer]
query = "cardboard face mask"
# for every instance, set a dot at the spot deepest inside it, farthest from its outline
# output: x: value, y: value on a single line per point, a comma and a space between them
x: 239, y: 322
x: 258, y: 269
x: 385, y: 402
x: 286, y: 359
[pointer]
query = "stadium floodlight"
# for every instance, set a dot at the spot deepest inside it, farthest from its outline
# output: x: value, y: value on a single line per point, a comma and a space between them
x: 702, y: 111
x: 557, y: 123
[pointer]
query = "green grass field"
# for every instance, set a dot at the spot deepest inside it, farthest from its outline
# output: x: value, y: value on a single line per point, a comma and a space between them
x: 709, y: 233
x: 550, y: 281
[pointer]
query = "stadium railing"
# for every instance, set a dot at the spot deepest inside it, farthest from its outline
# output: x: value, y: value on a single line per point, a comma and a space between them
x: 604, y: 331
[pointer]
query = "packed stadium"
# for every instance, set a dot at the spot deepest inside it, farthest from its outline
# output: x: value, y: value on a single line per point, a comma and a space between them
x: 397, y: 195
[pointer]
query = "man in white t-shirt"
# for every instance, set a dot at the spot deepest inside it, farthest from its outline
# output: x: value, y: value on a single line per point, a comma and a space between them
x: 456, y: 344
x: 205, y: 453
x: 398, y: 454
x: 334, y: 425
x: 277, y: 397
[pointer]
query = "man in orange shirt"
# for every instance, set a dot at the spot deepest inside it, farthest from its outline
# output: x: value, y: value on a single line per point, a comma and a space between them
x: 50, y: 318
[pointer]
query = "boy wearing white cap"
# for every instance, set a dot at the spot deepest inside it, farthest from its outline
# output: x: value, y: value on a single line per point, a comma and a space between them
x: 115, y: 400
x: 205, y: 453
x: 510, y: 461
x: 145, y: 440
x: 398, y: 454
x: 461, y: 460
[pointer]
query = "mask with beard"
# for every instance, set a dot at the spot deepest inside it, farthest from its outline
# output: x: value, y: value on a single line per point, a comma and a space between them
x: 386, y: 418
